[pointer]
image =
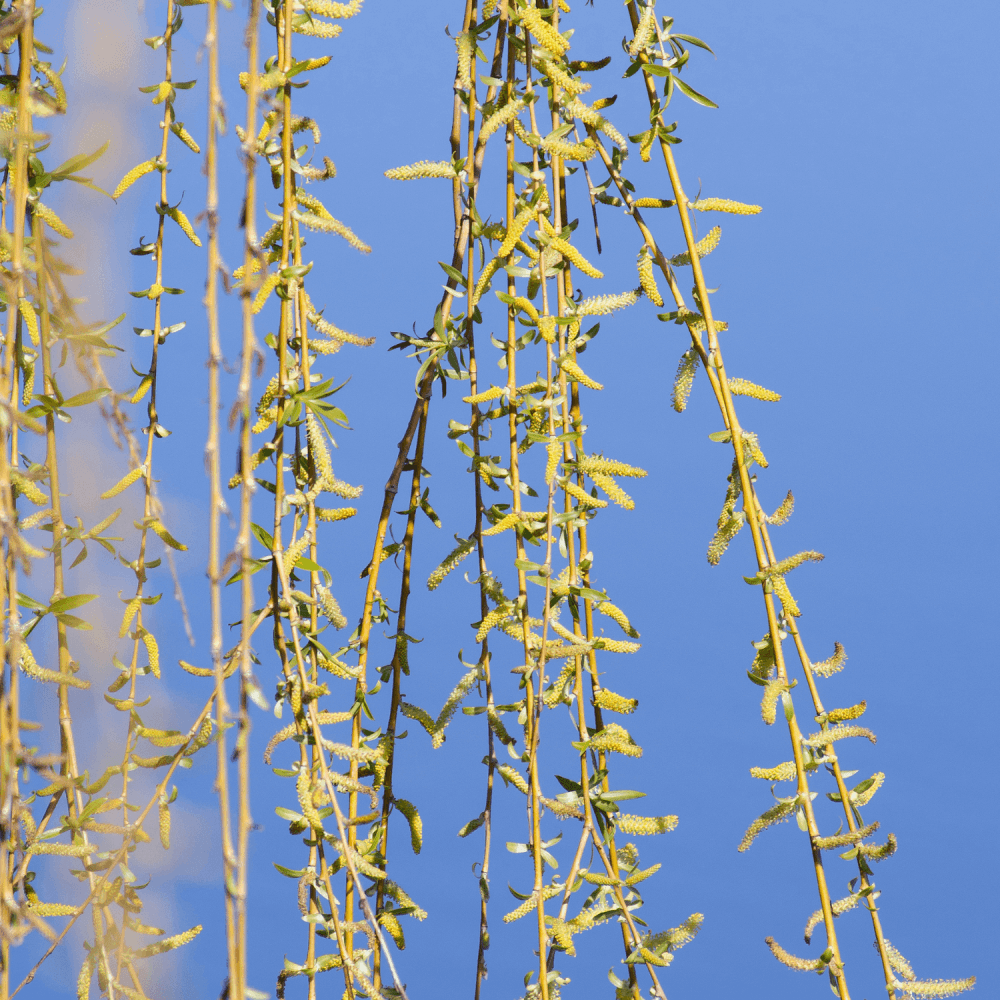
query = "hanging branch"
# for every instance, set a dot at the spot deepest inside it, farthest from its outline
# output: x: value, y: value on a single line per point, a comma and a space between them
x: 659, y: 53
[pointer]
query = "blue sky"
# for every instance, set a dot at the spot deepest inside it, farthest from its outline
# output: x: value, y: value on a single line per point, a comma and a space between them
x: 865, y: 293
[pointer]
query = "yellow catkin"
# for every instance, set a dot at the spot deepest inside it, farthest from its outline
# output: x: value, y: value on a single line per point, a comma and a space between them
x: 577, y: 374
x: 654, y: 203
x: 415, y: 822
x: 525, y: 305
x: 167, y: 944
x: 466, y: 53
x: 783, y: 772
x: 144, y: 386
x: 580, y: 152
x: 879, y: 852
x: 494, y: 392
x: 863, y: 798
x: 839, y: 907
x: 724, y: 205
x: 490, y: 620
x: 644, y: 30
x: 532, y: 904
x: 269, y: 284
x: 560, y: 78
x: 645, y: 826
x: 844, y: 714
x: 784, y: 566
x: 612, y: 702
x: 840, y: 840
x: 827, y: 668
x: 501, y: 118
x: 486, y: 278
x: 595, y: 878
x: 63, y: 850
x: 505, y: 522
x: 827, y: 736
x: 52, y: 220
x: 464, y: 547
x: 514, y: 231
x: 182, y: 133
x: 898, y: 963
x: 616, y: 614
x: 792, y: 961
x: 776, y: 814
x: 590, y: 116
x: 545, y: 34
x: 318, y: 29
x: 609, y: 466
x: 788, y: 603
x: 294, y: 552
x: 164, y: 818
x: 640, y: 876
x: 26, y: 487
x: 547, y: 328
x: 182, y: 220
x: 687, y: 368
x: 30, y: 319
x: 769, y: 703
x: 613, y: 490
x: 586, y: 500
x: 303, y: 198
x: 553, y: 450
x: 266, y: 419
x: 618, y: 645
x: 52, y: 909
x: 37, y: 518
x: 515, y: 778
x: 703, y: 248
x: 132, y: 176
x: 29, y: 382
x: 34, y: 671
x: 324, y: 225
x: 646, y: 278
x: 784, y: 511
x: 616, y: 739
x: 605, y: 305
x: 570, y: 253
x: 330, y: 8
x: 335, y: 333
x: 331, y: 514
x: 130, y: 612
x: 741, y: 387
x: 423, y: 168
x: 152, y: 651
x: 391, y: 923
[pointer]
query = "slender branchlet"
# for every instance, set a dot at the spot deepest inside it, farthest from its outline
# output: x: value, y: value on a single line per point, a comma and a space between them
x: 559, y: 645
x: 659, y: 54
x: 41, y: 318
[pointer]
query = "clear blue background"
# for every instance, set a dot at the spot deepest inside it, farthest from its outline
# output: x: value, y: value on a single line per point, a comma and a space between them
x: 865, y: 293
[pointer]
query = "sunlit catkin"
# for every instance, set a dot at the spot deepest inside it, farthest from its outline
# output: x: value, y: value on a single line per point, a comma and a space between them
x: 646, y: 278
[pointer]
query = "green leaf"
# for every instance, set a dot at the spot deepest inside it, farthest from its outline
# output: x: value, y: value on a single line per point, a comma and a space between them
x: 454, y: 272
x: 290, y: 872
x: 262, y: 536
x: 69, y: 603
x: 85, y: 398
x: 77, y: 163
x: 71, y: 621
x: 693, y: 94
